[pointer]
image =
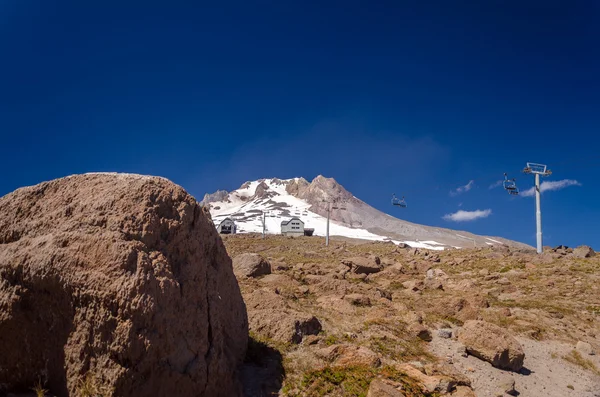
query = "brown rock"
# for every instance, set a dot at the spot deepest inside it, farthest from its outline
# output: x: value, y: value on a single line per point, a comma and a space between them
x: 584, y: 348
x: 269, y: 315
x: 363, y: 265
x: 250, y: 265
x: 430, y: 384
x: 583, y: 251
x: 349, y: 356
x: 463, y: 391
x: 413, y: 285
x: 492, y: 344
x: 420, y: 331
x: 119, y: 278
x: 358, y: 299
x: 378, y: 388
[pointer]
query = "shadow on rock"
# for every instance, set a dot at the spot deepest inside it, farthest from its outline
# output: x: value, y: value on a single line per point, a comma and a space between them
x: 262, y: 373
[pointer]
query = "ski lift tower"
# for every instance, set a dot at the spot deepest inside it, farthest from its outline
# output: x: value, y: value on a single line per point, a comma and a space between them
x: 331, y: 205
x: 537, y: 170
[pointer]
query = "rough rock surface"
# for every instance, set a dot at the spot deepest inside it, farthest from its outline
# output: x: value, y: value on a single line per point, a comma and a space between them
x: 583, y: 251
x: 270, y: 315
x: 349, y: 355
x: 121, y: 279
x: 251, y: 265
x: 378, y: 388
x: 363, y: 265
x: 492, y: 344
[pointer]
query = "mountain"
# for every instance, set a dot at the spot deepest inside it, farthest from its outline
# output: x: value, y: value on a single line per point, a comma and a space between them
x: 350, y: 217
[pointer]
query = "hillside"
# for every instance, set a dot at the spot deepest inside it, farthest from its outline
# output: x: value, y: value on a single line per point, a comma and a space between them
x: 342, y: 320
x: 351, y: 217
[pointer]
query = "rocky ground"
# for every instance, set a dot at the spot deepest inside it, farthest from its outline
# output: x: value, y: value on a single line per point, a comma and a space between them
x: 375, y: 319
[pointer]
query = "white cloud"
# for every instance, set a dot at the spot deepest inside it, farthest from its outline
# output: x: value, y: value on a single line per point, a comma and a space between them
x: 496, y: 184
x: 466, y: 216
x: 462, y: 189
x: 551, y: 185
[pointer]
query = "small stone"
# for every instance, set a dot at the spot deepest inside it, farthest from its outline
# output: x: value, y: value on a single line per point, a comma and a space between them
x: 311, y: 340
x: 358, y: 299
x: 507, y: 385
x: 445, y: 333
x: 462, y: 351
x: 378, y: 388
x: 420, y: 332
x: 584, y: 348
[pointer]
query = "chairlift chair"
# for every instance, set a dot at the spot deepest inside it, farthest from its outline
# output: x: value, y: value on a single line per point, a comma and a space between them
x: 510, y: 185
x: 397, y: 202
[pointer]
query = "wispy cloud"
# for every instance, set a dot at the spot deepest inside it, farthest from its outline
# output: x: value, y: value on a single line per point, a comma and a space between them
x: 462, y: 189
x: 496, y: 184
x: 551, y: 185
x: 466, y: 216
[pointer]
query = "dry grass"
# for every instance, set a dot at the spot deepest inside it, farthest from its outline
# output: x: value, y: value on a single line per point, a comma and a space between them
x: 39, y: 389
x: 532, y: 295
x: 574, y: 357
x: 350, y: 382
x: 90, y: 387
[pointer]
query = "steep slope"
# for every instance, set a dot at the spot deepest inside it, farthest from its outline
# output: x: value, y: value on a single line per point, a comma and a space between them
x: 278, y: 200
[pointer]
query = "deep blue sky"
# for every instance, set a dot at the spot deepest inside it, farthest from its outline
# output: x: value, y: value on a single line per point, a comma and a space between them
x: 416, y: 98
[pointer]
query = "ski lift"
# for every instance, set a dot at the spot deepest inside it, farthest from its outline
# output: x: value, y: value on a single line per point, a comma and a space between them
x: 396, y: 201
x: 510, y: 185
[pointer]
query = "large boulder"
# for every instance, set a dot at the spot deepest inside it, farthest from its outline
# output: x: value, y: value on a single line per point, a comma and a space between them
x: 251, y: 265
x: 271, y: 317
x: 583, y: 251
x: 117, y: 280
x: 492, y: 344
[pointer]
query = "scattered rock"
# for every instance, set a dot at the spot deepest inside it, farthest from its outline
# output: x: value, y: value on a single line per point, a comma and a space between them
x: 492, y: 344
x: 271, y: 316
x: 358, y: 299
x: 463, y: 391
x: 311, y: 340
x: 420, y: 332
x: 250, y: 265
x: 583, y: 251
x: 433, y: 284
x: 430, y: 384
x: 413, y: 285
x: 122, y: 278
x: 383, y: 294
x: 349, y: 355
x: 378, y: 388
x: 363, y: 265
x: 506, y: 385
x: 445, y: 333
x: 584, y: 348
x: 503, y: 281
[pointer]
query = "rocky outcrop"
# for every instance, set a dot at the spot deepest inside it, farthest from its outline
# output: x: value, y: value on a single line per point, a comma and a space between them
x: 219, y: 195
x: 492, y: 344
x: 250, y: 265
x: 120, y: 280
x: 583, y: 251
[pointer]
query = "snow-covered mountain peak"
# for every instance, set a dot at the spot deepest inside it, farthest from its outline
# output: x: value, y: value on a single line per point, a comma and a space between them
x: 281, y: 199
